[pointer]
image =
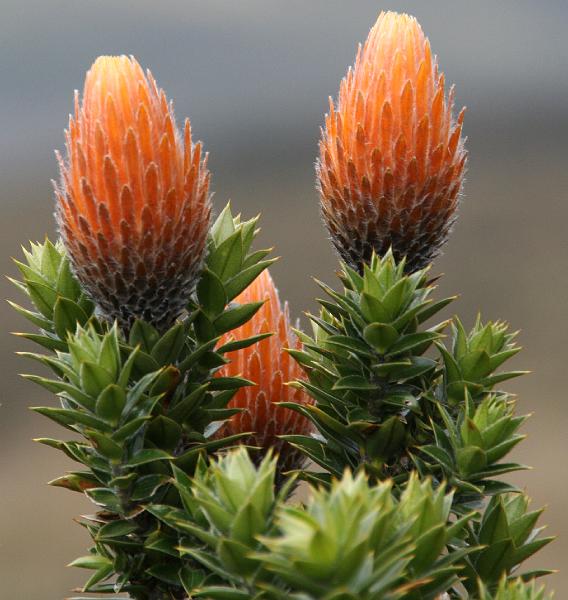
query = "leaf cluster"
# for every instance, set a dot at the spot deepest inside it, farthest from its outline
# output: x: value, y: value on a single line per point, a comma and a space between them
x: 139, y: 403
x: 392, y: 398
x: 411, y: 435
x: 353, y: 540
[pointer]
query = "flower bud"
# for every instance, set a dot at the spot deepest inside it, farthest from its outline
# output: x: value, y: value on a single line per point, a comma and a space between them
x: 391, y: 159
x: 133, y: 204
x: 270, y: 368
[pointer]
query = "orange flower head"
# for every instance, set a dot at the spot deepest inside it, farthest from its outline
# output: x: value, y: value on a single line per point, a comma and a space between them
x: 391, y: 159
x: 270, y: 367
x: 133, y: 205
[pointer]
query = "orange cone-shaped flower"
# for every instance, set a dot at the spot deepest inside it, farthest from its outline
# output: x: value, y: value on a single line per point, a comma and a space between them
x: 133, y: 204
x: 391, y: 158
x: 270, y: 367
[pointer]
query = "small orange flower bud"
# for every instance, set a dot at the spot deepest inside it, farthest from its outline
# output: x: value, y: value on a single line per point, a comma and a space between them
x: 270, y: 367
x: 391, y: 159
x: 133, y: 205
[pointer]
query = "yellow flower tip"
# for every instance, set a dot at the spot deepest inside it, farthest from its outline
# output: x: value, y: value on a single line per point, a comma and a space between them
x: 133, y: 205
x: 392, y: 158
x: 271, y: 368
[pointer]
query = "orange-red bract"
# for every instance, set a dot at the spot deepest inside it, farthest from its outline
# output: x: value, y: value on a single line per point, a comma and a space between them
x: 391, y: 160
x: 270, y: 367
x: 133, y: 203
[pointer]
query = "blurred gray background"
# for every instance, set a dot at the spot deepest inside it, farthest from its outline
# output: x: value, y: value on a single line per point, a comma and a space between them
x: 254, y: 77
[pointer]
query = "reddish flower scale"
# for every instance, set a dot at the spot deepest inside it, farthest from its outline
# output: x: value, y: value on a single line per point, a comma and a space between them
x: 391, y: 159
x: 133, y: 205
x: 270, y: 367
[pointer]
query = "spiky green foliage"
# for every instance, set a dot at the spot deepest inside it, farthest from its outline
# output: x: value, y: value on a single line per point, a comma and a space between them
x: 515, y: 590
x: 57, y: 301
x: 230, y: 268
x: 509, y: 536
x: 143, y: 403
x: 475, y: 356
x: 358, y: 541
x: 367, y: 368
x: 418, y: 424
x: 391, y: 400
x: 116, y: 418
x: 228, y: 505
x: 377, y: 392
x: 469, y: 445
x: 353, y: 541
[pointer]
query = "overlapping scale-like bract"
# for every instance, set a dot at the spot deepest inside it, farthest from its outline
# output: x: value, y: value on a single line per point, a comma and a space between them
x: 392, y: 158
x: 133, y: 203
x: 270, y: 367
